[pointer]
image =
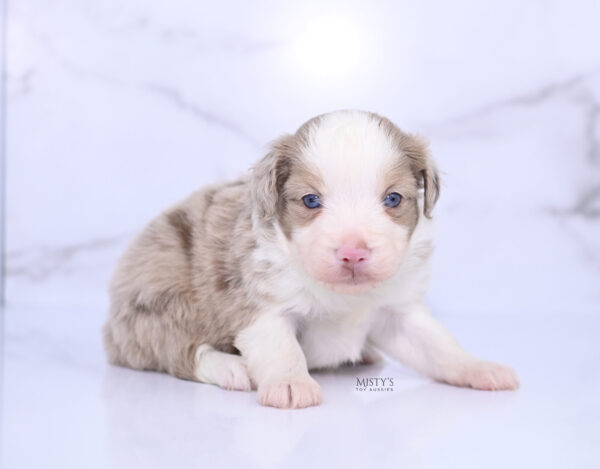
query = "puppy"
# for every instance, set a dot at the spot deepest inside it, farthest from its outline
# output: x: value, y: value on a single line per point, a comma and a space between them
x: 320, y: 257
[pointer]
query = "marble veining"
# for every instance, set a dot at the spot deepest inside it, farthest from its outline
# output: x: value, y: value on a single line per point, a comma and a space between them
x: 134, y: 106
x: 207, y: 116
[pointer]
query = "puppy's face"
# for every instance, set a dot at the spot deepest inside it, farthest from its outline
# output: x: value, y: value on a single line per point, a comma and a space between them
x: 344, y: 192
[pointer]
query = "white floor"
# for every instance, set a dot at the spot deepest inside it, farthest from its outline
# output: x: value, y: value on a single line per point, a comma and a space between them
x: 63, y: 407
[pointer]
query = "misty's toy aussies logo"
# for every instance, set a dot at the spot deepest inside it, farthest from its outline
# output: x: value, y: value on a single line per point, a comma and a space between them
x: 375, y: 384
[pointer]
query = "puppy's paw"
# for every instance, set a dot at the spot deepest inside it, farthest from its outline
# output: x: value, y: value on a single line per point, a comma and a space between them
x: 290, y: 393
x: 487, y: 376
x: 234, y: 376
x: 223, y: 369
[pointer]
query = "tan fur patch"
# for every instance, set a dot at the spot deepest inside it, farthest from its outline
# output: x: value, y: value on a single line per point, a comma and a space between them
x: 422, y: 166
x: 165, y: 303
x: 400, y: 178
x: 180, y: 221
x: 282, y: 178
x: 291, y: 209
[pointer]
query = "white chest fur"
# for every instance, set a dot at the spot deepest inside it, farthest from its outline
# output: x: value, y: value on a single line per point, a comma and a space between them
x: 330, y: 340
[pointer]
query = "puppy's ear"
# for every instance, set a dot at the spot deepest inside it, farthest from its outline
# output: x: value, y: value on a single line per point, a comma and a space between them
x: 269, y: 176
x: 416, y: 148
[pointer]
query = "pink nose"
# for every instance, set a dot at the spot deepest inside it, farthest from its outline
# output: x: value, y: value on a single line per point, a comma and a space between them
x: 351, y: 256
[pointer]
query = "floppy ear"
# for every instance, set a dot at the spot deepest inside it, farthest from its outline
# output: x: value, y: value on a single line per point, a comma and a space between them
x: 269, y: 176
x: 424, y: 168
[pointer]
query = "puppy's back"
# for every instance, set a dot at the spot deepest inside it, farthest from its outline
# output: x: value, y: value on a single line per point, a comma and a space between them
x: 178, y: 284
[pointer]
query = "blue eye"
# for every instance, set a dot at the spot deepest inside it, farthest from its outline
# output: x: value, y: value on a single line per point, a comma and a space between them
x: 312, y: 201
x: 392, y: 200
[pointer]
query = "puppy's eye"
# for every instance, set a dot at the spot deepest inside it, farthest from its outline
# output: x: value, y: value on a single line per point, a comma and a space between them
x: 392, y: 200
x: 312, y: 200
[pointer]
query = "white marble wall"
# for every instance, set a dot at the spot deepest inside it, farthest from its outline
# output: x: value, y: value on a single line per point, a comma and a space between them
x: 2, y: 143
x: 117, y: 109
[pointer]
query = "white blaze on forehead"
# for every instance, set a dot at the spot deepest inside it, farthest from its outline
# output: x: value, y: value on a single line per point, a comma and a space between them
x: 351, y: 152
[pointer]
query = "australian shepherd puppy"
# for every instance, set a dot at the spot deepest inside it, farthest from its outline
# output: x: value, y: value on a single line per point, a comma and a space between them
x: 318, y: 258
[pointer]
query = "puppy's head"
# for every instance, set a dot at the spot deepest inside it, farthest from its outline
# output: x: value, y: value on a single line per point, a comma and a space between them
x: 344, y: 191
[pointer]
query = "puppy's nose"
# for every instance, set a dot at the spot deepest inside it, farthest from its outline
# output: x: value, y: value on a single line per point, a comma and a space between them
x: 351, y: 256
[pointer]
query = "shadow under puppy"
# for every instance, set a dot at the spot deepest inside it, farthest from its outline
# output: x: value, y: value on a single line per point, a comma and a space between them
x: 320, y: 257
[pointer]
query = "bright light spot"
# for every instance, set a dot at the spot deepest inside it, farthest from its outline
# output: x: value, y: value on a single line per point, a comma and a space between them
x: 330, y: 46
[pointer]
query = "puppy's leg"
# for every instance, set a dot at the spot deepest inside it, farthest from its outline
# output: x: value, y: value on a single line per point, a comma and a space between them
x: 370, y: 355
x: 223, y: 369
x: 417, y: 340
x: 277, y: 364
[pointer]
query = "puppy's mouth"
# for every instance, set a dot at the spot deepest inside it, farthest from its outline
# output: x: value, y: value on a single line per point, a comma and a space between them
x: 352, y: 280
x: 354, y: 276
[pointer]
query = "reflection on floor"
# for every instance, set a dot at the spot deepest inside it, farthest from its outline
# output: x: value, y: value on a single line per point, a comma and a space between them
x: 62, y: 406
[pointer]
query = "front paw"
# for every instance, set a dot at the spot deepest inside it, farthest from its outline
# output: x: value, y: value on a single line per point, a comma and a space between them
x: 487, y: 376
x: 290, y: 393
